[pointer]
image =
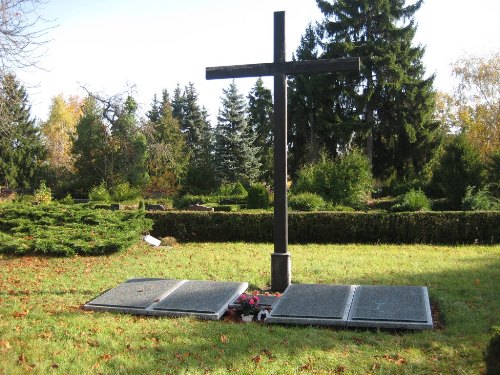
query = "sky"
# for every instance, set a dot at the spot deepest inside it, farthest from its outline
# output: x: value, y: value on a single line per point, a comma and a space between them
x: 115, y: 46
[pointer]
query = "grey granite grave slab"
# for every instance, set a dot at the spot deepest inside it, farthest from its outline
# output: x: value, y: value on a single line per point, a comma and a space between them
x: 134, y: 295
x: 313, y: 304
x: 203, y: 299
x: 383, y: 306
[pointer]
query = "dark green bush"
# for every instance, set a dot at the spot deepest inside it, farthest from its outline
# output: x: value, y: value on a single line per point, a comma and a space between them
x: 459, y: 167
x: 345, y: 181
x: 413, y: 200
x: 480, y: 201
x: 58, y: 229
x: 306, y: 202
x: 492, y: 354
x: 493, y: 173
x: 258, y: 196
x: 333, y: 227
x: 227, y: 208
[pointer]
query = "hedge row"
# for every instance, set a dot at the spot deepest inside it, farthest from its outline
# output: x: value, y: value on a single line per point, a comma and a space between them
x: 333, y: 227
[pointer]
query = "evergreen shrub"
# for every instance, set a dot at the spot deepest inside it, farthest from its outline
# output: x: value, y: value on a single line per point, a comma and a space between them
x: 64, y: 230
x: 99, y: 194
x: 460, y: 166
x: 333, y: 227
x: 306, y: 202
x: 68, y: 199
x: 413, y: 200
x: 479, y: 201
x: 345, y: 181
x: 492, y: 354
x: 43, y: 194
x: 124, y: 192
x: 258, y: 196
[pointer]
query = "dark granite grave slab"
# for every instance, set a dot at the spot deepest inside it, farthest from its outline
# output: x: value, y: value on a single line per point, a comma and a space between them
x: 133, y: 296
x: 404, y: 307
x: 203, y: 299
x: 313, y: 304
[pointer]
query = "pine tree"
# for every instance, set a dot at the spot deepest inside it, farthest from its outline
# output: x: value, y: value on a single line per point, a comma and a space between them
x: 389, y: 105
x: 21, y: 148
x: 167, y: 154
x: 235, y: 153
x: 260, y: 121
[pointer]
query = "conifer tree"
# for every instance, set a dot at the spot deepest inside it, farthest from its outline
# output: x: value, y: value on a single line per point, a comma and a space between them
x: 260, y: 121
x: 389, y: 105
x: 94, y: 160
x: 196, y: 127
x: 235, y: 153
x: 167, y: 154
x: 21, y: 148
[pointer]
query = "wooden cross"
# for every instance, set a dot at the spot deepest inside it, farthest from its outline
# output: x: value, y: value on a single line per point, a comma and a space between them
x: 280, y: 68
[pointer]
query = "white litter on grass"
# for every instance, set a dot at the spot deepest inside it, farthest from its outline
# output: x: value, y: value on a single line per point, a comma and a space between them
x: 151, y: 240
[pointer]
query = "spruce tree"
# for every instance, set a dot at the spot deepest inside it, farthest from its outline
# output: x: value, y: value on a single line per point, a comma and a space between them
x: 260, y: 121
x: 21, y: 148
x: 129, y: 146
x: 388, y: 106
x: 195, y: 125
x: 94, y: 160
x: 167, y: 154
x: 235, y: 154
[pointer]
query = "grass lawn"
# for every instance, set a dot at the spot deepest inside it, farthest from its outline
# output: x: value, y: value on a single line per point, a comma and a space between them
x: 43, y: 330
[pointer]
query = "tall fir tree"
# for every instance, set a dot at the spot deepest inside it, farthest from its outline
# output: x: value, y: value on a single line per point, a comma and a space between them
x: 167, y: 154
x: 315, y: 123
x: 388, y: 106
x: 21, y: 148
x: 196, y: 127
x: 94, y: 159
x: 130, y: 146
x: 260, y: 121
x: 235, y: 154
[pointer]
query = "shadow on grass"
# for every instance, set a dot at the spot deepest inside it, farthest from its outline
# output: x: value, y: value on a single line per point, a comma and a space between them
x: 468, y: 299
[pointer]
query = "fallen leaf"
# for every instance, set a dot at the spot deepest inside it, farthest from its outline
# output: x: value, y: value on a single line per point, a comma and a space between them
x: 4, y: 344
x: 223, y: 339
x: 20, y: 314
x: 106, y: 357
x: 21, y: 358
x: 256, y: 359
x: 308, y: 366
x: 340, y: 370
x: 54, y: 365
x: 477, y: 281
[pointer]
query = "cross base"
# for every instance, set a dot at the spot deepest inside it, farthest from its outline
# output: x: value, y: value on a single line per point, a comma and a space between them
x: 281, y: 271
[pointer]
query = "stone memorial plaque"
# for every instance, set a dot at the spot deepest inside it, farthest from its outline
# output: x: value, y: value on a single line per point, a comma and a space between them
x: 385, y: 306
x: 204, y: 299
x: 313, y: 304
x: 134, y: 296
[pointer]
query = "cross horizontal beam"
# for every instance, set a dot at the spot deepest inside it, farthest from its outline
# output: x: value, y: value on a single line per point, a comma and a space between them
x: 291, y: 67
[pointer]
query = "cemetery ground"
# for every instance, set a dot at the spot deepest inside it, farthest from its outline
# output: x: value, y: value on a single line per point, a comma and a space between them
x: 44, y: 330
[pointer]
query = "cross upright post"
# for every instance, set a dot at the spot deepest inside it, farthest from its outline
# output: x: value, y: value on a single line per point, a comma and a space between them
x: 279, y: 68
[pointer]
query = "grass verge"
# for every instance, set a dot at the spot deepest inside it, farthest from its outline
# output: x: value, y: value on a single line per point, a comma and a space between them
x: 43, y: 329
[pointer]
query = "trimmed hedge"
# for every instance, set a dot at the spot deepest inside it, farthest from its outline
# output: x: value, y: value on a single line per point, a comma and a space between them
x: 333, y: 227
